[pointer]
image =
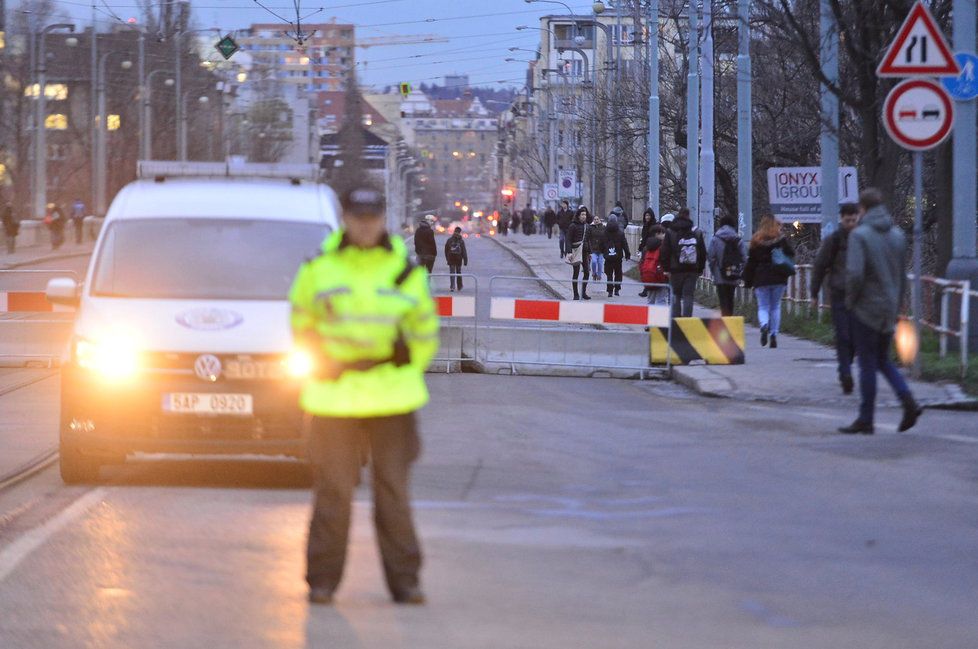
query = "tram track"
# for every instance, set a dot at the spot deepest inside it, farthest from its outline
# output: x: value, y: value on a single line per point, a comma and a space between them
x: 39, y: 462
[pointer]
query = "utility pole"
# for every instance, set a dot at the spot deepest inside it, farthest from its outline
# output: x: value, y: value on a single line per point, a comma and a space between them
x: 829, y: 139
x: 93, y: 112
x: 745, y: 162
x: 653, y: 142
x: 40, y: 133
x: 693, y: 114
x: 964, y: 264
x: 708, y: 157
x: 141, y: 72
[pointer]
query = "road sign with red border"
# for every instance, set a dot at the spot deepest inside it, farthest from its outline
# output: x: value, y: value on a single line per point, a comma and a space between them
x: 919, y: 49
x: 918, y: 114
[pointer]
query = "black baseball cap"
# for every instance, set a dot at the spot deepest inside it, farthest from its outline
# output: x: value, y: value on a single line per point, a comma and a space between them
x: 363, y: 201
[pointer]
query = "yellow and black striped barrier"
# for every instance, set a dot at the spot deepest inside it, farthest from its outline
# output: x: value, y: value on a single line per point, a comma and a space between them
x: 715, y: 341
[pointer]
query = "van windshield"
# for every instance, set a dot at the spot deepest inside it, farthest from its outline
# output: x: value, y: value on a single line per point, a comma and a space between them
x: 197, y: 259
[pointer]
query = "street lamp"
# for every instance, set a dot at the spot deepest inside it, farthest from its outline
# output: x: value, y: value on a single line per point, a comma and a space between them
x: 182, y: 101
x: 178, y: 41
x: 101, y: 165
x: 552, y: 2
x: 148, y: 110
x: 40, y: 127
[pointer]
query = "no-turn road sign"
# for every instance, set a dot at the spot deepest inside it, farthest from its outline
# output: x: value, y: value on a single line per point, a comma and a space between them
x: 918, y: 114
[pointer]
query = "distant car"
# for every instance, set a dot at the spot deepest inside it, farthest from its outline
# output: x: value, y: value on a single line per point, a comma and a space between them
x: 182, y: 342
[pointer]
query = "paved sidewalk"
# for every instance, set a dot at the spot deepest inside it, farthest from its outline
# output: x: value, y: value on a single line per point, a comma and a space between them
x: 38, y: 254
x: 798, y: 372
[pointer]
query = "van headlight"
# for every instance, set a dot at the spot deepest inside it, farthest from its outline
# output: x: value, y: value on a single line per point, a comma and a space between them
x: 115, y: 360
x: 299, y: 364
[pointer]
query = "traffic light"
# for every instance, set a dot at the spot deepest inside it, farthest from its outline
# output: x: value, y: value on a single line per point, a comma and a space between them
x: 508, y: 194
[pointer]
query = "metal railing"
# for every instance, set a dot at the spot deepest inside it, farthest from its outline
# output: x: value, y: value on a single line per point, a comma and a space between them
x: 469, y: 322
x: 947, y: 305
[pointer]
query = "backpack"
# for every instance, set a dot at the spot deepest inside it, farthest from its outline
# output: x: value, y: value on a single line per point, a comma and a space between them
x: 732, y: 260
x: 689, y: 254
x: 782, y: 262
x: 455, y: 247
x: 649, y: 268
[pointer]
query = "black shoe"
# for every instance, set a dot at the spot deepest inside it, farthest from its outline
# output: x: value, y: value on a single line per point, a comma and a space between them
x: 611, y: 294
x: 576, y: 297
x: 774, y: 341
x: 847, y: 384
x: 911, y: 412
x: 764, y: 336
x: 411, y: 596
x: 644, y: 293
x: 585, y: 297
x: 857, y: 427
x: 321, y: 596
x: 617, y: 292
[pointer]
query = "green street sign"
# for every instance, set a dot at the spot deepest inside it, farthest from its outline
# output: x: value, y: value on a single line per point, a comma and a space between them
x: 227, y: 47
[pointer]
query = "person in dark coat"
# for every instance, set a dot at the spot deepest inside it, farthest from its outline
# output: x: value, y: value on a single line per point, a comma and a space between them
x: 456, y: 255
x: 648, y: 220
x: 527, y: 218
x: 726, y: 279
x: 684, y: 253
x: 565, y: 216
x: 767, y: 278
x: 595, y: 243
x: 503, y: 222
x: 615, y: 251
x: 11, y: 228
x: 578, y: 251
x: 619, y: 214
x: 549, y: 221
x: 424, y: 245
x: 876, y: 279
x: 55, y: 221
x: 514, y: 223
x: 830, y: 263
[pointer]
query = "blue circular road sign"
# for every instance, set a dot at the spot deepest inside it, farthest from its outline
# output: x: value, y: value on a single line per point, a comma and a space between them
x: 963, y: 87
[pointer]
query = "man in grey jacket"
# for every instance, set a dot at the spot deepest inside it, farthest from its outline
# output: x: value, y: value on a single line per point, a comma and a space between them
x: 875, y: 282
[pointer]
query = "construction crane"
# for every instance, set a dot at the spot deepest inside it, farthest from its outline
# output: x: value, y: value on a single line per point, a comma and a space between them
x: 413, y: 39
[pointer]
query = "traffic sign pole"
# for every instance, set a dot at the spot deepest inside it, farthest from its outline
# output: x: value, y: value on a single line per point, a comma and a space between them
x: 918, y: 236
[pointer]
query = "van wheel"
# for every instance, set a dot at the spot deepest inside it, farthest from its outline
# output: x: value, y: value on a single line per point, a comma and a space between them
x: 76, y: 467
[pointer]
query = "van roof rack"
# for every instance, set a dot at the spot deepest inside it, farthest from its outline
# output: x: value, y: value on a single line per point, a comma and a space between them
x: 160, y: 170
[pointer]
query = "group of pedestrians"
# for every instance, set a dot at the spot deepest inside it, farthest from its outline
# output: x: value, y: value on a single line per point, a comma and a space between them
x: 54, y: 220
x: 594, y: 248
x: 456, y: 254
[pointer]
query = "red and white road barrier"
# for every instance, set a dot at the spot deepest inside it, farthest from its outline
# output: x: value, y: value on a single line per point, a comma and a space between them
x: 29, y: 301
x: 504, y: 308
x: 452, y: 306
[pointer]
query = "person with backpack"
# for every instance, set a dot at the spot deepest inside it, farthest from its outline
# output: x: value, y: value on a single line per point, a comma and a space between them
x: 831, y: 261
x: 595, y: 241
x: 650, y: 266
x: 578, y: 250
x: 615, y: 251
x: 770, y: 262
x: 727, y: 255
x: 424, y: 245
x: 684, y: 250
x: 456, y: 255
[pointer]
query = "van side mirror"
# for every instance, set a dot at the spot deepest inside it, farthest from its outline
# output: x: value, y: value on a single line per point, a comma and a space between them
x: 63, y: 290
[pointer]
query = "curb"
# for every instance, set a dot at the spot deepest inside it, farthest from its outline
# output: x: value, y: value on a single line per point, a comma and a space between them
x: 46, y: 258
x: 547, y: 287
x: 703, y: 381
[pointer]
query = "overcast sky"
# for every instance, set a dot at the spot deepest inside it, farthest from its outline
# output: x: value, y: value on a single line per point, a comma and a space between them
x: 481, y: 31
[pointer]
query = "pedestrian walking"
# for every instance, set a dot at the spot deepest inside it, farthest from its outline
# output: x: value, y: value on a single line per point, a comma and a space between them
x: 527, y: 218
x: 875, y: 286
x: 365, y: 314
x: 615, y: 253
x: 650, y: 266
x: 830, y: 263
x: 424, y: 245
x: 503, y: 222
x: 11, y: 228
x: 648, y: 220
x: 684, y: 251
x: 578, y: 251
x: 770, y: 262
x: 595, y: 243
x: 619, y: 214
x: 456, y: 255
x: 78, y: 219
x: 565, y: 216
x: 54, y: 219
x: 549, y: 221
x: 514, y: 223
x: 727, y: 255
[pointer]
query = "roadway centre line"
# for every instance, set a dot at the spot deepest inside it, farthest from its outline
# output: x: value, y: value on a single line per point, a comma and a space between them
x: 16, y: 552
x: 959, y: 438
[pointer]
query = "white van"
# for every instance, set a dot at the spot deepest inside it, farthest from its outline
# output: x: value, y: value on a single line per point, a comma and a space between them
x: 182, y: 342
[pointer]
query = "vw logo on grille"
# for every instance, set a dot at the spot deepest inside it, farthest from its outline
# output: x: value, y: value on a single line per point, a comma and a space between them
x: 208, y: 367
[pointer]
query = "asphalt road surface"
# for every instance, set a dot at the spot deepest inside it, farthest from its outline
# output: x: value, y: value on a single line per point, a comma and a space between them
x: 553, y: 512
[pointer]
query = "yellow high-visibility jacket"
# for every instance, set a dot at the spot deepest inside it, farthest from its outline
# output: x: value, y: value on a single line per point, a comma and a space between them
x: 350, y: 306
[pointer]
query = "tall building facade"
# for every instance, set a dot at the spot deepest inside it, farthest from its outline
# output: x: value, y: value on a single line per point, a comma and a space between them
x: 322, y: 64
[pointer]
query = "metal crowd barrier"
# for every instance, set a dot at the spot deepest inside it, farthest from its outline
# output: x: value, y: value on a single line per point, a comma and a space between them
x: 462, y: 310
x: 33, y: 335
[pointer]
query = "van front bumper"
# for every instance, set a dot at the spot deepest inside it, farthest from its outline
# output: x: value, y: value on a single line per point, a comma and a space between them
x: 118, y: 419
